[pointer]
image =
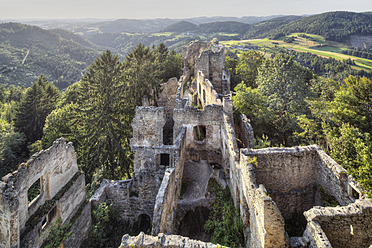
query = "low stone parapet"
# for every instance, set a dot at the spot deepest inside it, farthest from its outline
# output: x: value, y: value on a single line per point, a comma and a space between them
x: 163, y: 240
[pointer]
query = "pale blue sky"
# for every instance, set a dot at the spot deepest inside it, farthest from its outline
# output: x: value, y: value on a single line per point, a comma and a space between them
x: 14, y: 9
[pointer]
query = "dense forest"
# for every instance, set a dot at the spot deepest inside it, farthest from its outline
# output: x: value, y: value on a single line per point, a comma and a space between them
x: 336, y: 26
x: 290, y: 105
x: 87, y: 112
x: 28, y: 51
x: 62, y: 56
x: 292, y: 98
x: 264, y: 29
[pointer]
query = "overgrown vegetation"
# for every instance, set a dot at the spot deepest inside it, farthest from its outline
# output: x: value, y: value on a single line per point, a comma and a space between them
x: 107, y: 228
x: 327, y: 200
x: 28, y: 51
x: 57, y: 234
x: 224, y: 220
x: 289, y: 105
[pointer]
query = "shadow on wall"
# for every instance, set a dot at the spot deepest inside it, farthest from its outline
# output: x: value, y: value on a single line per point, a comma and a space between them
x: 192, y: 225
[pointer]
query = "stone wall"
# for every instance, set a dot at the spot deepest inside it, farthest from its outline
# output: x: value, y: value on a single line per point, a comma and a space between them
x: 162, y: 240
x: 289, y: 175
x: 191, y: 53
x: 262, y: 220
x: 346, y: 226
x: 206, y: 61
x: 167, y: 99
x: 334, y: 179
x: 190, y: 117
x: 165, y: 205
x: 147, y: 125
x: 292, y: 176
x: 206, y: 93
x: 245, y: 132
x: 80, y: 227
x: 169, y: 191
x: 62, y: 192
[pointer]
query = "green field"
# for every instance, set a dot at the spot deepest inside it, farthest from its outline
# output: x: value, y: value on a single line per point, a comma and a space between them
x: 162, y: 34
x: 314, y: 44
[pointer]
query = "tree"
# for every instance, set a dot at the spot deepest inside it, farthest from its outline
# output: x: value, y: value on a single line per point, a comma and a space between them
x: 286, y: 84
x: 248, y: 66
x: 231, y: 62
x: 12, y: 145
x: 61, y: 123
x: 171, y: 67
x: 36, y: 104
x: 104, y: 118
x: 254, y: 105
x: 353, y: 150
x: 142, y: 67
x: 353, y: 104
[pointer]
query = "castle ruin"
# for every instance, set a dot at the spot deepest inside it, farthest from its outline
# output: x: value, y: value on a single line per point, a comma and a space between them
x: 189, y: 138
x: 25, y: 216
x: 286, y: 182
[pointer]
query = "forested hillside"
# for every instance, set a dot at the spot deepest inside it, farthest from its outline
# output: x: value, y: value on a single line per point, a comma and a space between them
x: 94, y: 113
x: 263, y: 29
x: 335, y: 26
x: 26, y: 52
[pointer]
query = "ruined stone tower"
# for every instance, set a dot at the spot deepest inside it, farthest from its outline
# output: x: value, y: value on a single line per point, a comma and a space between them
x: 188, y: 139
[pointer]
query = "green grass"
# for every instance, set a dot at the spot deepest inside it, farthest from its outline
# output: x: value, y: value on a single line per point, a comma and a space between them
x: 314, y: 44
x: 226, y: 34
x: 162, y: 34
x: 231, y: 42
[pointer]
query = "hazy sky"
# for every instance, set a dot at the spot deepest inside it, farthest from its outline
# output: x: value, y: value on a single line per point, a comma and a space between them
x: 15, y: 9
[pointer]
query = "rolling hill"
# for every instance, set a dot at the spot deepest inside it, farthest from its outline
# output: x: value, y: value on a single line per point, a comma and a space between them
x: 28, y: 51
x: 180, y: 27
x: 263, y: 29
x: 336, y: 26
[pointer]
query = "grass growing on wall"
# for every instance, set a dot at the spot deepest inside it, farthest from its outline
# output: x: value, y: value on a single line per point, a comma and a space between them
x: 224, y: 220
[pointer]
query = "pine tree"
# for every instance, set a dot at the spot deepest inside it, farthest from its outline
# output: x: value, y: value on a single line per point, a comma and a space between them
x: 104, y: 118
x: 38, y: 101
x: 142, y: 66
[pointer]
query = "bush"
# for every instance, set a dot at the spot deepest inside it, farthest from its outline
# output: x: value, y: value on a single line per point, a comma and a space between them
x: 224, y: 220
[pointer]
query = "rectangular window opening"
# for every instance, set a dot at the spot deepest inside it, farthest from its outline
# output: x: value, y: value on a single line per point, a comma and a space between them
x: 165, y: 159
x: 34, y: 191
x: 200, y: 132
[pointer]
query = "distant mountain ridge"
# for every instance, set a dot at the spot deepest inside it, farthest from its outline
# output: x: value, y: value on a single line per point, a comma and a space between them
x: 208, y: 28
x: 91, y: 26
x: 27, y: 51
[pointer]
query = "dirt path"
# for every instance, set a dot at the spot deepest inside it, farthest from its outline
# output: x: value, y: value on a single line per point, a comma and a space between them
x: 24, y: 59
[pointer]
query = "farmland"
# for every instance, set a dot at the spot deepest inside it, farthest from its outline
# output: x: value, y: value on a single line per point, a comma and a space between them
x: 310, y: 43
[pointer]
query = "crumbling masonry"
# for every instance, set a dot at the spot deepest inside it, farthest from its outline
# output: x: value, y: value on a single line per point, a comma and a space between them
x: 60, y: 188
x: 188, y: 139
x: 284, y: 183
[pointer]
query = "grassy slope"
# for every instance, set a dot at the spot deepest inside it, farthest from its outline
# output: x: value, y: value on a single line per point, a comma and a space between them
x: 316, y: 44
